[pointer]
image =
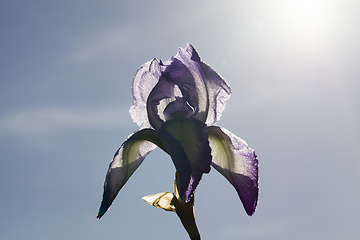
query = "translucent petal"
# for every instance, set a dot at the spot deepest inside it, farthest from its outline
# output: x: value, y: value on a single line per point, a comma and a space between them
x: 237, y: 163
x: 212, y: 89
x: 163, y: 90
x: 175, y: 76
x: 201, y: 87
x: 126, y: 160
x: 144, y: 81
x: 219, y: 93
x: 189, y: 57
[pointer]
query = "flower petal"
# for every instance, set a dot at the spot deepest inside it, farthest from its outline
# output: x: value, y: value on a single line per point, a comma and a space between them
x: 219, y: 93
x: 186, y: 140
x: 216, y: 89
x: 178, y: 109
x: 126, y: 160
x: 155, y: 107
x: 144, y: 81
x: 190, y: 59
x: 175, y: 75
x: 237, y: 163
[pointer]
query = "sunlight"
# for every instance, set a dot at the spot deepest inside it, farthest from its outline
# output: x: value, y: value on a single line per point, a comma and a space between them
x: 307, y: 22
x: 299, y: 34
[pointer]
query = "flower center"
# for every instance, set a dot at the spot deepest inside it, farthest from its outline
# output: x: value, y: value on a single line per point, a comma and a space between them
x: 178, y: 109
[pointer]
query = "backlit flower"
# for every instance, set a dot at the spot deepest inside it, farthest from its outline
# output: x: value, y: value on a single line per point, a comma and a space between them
x: 176, y: 104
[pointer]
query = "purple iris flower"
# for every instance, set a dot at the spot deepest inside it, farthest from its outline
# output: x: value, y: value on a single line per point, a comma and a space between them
x: 176, y: 104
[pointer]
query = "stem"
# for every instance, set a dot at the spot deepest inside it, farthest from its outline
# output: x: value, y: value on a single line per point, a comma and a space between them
x: 186, y: 213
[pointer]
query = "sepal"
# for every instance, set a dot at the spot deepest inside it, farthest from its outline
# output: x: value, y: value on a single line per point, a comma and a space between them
x: 237, y: 163
x: 126, y: 160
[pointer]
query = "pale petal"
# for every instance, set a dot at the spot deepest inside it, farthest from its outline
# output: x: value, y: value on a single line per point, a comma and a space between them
x: 161, y: 200
x: 126, y: 160
x: 163, y: 90
x: 237, y: 163
x: 144, y: 81
x: 219, y: 93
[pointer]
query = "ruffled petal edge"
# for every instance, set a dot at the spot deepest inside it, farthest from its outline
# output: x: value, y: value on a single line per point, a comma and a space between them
x: 126, y: 160
x: 237, y: 163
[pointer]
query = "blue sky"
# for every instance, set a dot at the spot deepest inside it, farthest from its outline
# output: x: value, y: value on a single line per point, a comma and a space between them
x: 66, y: 69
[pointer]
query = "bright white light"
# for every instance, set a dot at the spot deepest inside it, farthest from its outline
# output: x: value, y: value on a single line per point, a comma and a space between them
x: 306, y: 23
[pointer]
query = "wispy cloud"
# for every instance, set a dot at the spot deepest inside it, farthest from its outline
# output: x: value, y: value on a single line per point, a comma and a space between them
x: 109, y: 43
x: 45, y: 121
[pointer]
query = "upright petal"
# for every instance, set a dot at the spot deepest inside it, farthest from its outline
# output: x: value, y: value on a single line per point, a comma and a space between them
x: 177, y: 73
x: 158, y: 99
x: 175, y: 76
x: 189, y: 57
x: 237, y: 163
x: 126, y: 160
x: 219, y: 93
x: 144, y: 81
x: 217, y: 90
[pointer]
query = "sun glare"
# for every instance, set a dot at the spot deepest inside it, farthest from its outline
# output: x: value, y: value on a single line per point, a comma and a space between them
x: 307, y: 21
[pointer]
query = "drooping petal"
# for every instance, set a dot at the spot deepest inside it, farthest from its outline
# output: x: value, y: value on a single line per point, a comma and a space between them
x: 144, y: 81
x: 126, y: 160
x: 237, y: 163
x: 217, y: 90
x: 186, y: 140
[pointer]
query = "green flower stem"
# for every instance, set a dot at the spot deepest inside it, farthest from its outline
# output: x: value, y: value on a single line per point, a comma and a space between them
x: 186, y: 212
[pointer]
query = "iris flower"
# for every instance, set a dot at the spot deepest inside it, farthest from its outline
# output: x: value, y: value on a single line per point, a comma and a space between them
x: 176, y: 104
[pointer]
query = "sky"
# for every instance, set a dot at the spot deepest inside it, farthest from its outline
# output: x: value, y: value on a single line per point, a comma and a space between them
x: 66, y: 70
